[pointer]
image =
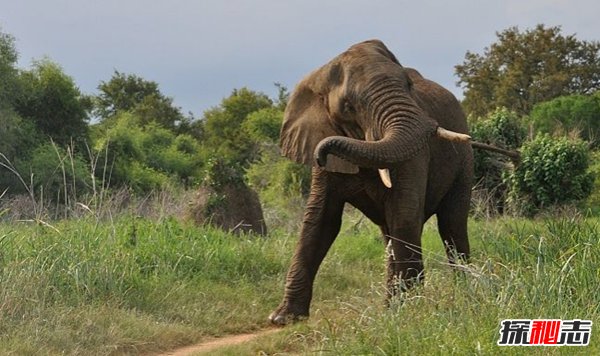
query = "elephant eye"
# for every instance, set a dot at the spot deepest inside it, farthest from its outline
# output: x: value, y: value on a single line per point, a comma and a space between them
x: 323, y: 99
x: 348, y: 107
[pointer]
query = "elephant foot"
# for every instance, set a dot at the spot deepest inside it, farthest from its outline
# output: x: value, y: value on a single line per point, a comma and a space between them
x: 286, y: 314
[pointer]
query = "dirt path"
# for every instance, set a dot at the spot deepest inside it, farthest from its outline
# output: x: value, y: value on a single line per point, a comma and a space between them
x: 214, y: 344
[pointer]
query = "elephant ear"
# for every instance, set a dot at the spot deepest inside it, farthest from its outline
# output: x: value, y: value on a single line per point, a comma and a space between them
x: 305, y: 123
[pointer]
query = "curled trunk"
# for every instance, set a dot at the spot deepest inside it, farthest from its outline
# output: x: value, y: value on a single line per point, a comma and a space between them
x: 402, y: 129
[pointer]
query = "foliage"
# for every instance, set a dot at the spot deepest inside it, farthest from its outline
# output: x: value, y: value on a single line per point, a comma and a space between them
x: 223, y: 126
x: 219, y: 172
x: 279, y: 176
x: 553, y: 171
x: 263, y: 126
x: 522, y: 69
x: 146, y: 158
x: 18, y: 136
x: 51, y: 100
x: 282, y: 186
x: 8, y: 72
x: 58, y: 173
x: 567, y: 114
x: 500, y: 128
x: 592, y: 203
x: 131, y: 93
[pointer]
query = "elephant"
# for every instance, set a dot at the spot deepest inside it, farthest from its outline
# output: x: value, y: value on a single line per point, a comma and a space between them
x: 391, y: 143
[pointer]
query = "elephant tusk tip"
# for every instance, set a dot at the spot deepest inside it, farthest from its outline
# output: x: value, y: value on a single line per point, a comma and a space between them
x: 384, y: 174
x: 452, y: 136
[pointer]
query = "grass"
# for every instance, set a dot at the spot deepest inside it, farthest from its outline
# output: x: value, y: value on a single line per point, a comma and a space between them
x: 110, y: 288
x: 135, y: 285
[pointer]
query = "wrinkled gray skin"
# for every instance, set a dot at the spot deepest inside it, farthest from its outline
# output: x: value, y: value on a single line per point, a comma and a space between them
x: 360, y: 112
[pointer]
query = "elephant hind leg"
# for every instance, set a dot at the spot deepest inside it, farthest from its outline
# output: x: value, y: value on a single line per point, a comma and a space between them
x: 452, y: 218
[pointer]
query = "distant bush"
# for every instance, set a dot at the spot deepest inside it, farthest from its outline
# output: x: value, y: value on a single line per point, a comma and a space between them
x: 569, y: 113
x: 18, y: 139
x: 223, y: 126
x: 593, y: 201
x: 553, y: 171
x: 147, y: 158
x: 58, y: 174
x: 282, y: 186
x: 264, y: 125
x: 500, y: 128
x: 225, y: 200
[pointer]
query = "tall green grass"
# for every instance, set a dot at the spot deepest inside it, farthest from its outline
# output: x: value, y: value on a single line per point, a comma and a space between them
x: 521, y: 269
x: 84, y: 283
x: 136, y: 285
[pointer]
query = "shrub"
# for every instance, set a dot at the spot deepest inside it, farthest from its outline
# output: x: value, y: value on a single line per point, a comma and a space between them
x: 282, y: 186
x: 18, y: 139
x: 553, y: 171
x: 593, y: 201
x: 146, y: 158
x: 567, y: 114
x: 225, y: 200
x: 500, y: 128
x: 60, y: 173
x: 264, y: 125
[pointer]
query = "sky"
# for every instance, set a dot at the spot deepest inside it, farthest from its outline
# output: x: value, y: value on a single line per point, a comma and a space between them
x: 199, y: 51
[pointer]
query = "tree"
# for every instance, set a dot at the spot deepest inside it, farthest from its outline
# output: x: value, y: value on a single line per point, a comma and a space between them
x: 552, y: 171
x: 264, y: 125
x: 525, y: 68
x: 8, y: 72
x: 223, y: 126
x: 500, y: 128
x: 146, y: 158
x: 52, y: 102
x: 569, y: 113
x: 131, y: 93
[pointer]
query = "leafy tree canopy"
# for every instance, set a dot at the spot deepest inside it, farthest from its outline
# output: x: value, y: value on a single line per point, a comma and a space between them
x: 569, y: 113
x: 131, y: 93
x: 524, y: 68
x: 8, y: 72
x: 500, y: 128
x: 553, y: 171
x: 50, y: 99
x: 223, y: 126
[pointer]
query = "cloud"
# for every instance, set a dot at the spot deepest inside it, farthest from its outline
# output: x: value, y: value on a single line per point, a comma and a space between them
x: 199, y: 51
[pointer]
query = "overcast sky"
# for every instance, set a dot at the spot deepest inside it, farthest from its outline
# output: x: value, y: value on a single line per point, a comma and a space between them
x: 198, y: 51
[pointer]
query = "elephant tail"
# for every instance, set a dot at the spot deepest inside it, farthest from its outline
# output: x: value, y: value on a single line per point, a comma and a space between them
x: 515, y: 155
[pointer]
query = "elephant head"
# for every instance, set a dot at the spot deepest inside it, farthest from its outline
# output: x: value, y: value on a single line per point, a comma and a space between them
x: 358, y: 110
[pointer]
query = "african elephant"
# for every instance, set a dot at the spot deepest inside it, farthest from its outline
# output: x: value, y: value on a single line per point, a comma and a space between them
x: 387, y: 141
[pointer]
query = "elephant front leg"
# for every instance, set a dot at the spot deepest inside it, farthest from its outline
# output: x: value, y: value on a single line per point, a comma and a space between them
x: 404, y: 224
x: 404, y: 260
x: 321, y: 224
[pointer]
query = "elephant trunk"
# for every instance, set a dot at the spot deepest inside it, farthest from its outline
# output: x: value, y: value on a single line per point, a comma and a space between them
x: 401, y: 130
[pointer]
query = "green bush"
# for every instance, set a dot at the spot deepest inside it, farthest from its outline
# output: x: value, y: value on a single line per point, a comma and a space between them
x: 282, y: 186
x: 223, y: 126
x: 500, y: 128
x: 553, y: 171
x: 18, y: 139
x: 59, y: 173
x: 569, y: 113
x: 592, y: 203
x: 147, y: 158
x: 264, y: 125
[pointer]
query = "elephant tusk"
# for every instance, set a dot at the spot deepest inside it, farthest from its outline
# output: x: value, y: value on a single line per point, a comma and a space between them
x: 384, y: 174
x: 451, y: 135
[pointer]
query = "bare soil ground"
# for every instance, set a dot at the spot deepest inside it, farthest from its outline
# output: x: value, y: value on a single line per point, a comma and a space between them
x: 212, y: 345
